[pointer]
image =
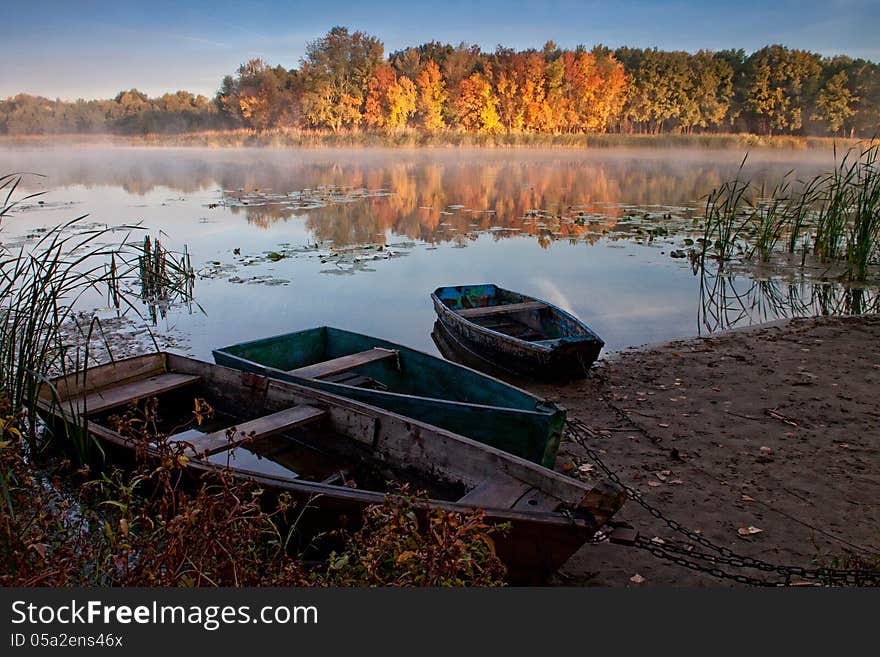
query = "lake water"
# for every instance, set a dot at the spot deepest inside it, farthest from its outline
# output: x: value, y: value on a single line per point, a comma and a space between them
x: 288, y: 239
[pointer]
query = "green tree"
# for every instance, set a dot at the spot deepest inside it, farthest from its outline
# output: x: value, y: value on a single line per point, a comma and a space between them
x: 775, y: 93
x: 335, y: 72
x: 476, y: 107
x: 835, y: 102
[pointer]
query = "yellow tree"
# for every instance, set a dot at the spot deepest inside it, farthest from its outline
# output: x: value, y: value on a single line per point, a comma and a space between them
x: 476, y: 105
x: 431, y: 96
x: 510, y: 106
x: 612, y: 91
x: 390, y: 101
x: 401, y: 102
x: 554, y: 106
x: 582, y: 82
x: 533, y: 92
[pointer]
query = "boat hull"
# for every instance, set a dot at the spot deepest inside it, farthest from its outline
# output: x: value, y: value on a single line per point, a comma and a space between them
x: 423, y: 387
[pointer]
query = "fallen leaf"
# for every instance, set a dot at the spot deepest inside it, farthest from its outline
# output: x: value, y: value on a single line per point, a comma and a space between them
x: 749, y: 531
x: 675, y: 482
x: 586, y: 467
x: 663, y: 425
x: 654, y: 484
x: 746, y: 498
x: 637, y: 579
x: 766, y: 450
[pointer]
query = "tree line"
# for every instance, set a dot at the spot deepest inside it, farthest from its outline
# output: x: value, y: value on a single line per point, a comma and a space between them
x: 345, y: 82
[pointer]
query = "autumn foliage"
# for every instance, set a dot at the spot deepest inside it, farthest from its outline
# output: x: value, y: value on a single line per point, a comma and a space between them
x: 345, y: 81
x: 160, y: 524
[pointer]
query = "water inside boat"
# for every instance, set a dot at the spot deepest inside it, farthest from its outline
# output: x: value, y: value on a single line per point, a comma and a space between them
x: 311, y: 452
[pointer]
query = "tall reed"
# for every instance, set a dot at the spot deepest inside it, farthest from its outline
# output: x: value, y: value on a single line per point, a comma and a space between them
x: 864, y: 234
x: 726, y: 219
x: 837, y: 214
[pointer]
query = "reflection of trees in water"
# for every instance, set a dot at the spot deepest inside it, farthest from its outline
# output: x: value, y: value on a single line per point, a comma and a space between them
x: 510, y: 183
x: 727, y: 302
x: 492, y: 195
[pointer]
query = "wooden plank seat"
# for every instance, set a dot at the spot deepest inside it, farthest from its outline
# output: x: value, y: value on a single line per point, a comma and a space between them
x: 262, y: 427
x: 501, y: 491
x: 124, y: 393
x: 504, y: 309
x: 536, y: 500
x: 343, y: 363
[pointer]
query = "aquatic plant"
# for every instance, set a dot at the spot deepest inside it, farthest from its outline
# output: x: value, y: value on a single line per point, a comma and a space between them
x: 835, y: 215
x: 725, y: 220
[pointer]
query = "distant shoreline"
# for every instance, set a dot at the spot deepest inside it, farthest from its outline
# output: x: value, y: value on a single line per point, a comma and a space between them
x: 414, y: 139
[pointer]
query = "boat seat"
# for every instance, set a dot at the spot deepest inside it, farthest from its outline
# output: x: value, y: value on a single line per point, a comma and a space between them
x: 343, y: 363
x: 262, y: 427
x: 125, y: 393
x: 504, y: 309
x: 501, y: 491
x: 536, y: 500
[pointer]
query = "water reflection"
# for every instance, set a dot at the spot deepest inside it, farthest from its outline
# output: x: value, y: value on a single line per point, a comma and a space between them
x: 357, y: 197
x: 728, y: 301
x: 595, y: 231
x: 443, y: 201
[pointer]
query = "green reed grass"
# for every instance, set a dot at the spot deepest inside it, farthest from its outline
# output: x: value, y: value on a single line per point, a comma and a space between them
x: 837, y: 214
x: 726, y: 219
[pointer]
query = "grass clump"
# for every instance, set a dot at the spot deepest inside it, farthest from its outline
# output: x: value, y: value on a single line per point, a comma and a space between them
x: 835, y: 217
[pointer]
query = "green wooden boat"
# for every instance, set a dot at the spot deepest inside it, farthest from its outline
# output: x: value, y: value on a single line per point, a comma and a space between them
x: 410, y: 383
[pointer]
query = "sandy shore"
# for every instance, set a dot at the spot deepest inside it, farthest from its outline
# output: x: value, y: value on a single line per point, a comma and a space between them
x: 775, y: 428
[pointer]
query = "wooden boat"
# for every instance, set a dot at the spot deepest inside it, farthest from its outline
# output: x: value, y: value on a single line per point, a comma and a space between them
x: 315, y: 446
x: 516, y: 332
x: 410, y: 383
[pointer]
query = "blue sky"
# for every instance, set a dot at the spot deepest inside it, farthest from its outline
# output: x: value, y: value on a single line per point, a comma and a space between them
x: 93, y: 49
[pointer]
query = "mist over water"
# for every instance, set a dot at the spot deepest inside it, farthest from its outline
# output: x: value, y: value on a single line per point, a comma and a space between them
x: 287, y: 239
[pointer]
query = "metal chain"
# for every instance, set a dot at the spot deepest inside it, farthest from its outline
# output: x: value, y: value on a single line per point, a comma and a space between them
x: 578, y: 432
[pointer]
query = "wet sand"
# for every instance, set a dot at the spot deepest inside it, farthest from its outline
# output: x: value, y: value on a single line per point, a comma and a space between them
x: 775, y: 428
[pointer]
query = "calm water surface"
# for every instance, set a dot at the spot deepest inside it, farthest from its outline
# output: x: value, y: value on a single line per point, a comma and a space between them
x: 578, y: 228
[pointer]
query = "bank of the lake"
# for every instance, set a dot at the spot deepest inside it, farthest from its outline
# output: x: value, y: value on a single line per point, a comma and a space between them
x: 774, y: 428
x: 414, y: 138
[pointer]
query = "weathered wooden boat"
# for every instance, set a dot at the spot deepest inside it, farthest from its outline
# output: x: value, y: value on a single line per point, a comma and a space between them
x: 408, y: 382
x: 336, y: 454
x: 516, y: 332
